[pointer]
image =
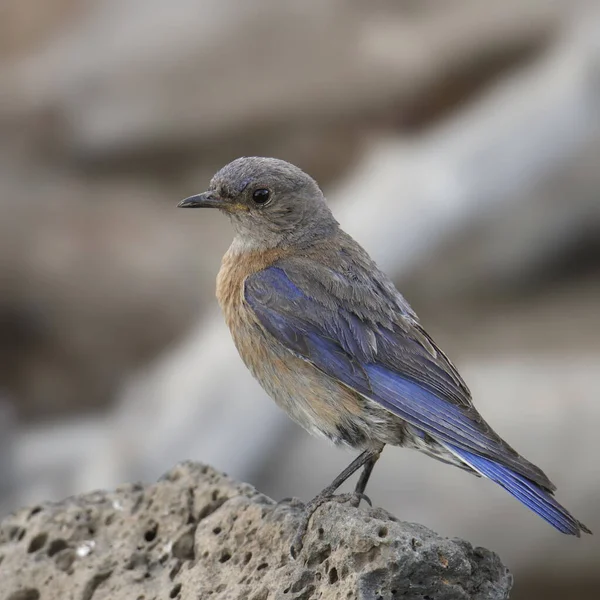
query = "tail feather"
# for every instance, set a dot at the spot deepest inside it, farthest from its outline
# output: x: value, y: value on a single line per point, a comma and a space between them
x: 526, y: 491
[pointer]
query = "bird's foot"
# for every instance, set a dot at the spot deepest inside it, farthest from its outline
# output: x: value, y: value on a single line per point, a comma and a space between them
x: 353, y: 499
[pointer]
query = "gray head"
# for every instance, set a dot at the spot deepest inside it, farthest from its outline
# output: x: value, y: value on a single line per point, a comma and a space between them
x: 270, y: 202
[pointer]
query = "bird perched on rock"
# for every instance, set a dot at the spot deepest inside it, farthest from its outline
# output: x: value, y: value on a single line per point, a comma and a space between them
x: 333, y: 342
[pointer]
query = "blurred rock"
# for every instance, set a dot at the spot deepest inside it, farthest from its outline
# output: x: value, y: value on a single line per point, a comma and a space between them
x: 105, y: 125
x: 197, y: 533
x: 26, y: 25
x: 545, y: 235
x: 8, y: 480
x: 196, y: 83
x: 94, y: 281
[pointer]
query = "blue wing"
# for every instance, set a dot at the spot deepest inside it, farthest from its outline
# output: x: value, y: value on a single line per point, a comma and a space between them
x: 384, y: 355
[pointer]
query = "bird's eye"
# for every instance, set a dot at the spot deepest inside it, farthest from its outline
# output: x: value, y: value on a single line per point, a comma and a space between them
x: 261, y: 196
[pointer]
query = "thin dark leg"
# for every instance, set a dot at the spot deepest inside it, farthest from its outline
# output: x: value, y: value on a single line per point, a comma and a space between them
x: 366, y: 458
x: 361, y: 484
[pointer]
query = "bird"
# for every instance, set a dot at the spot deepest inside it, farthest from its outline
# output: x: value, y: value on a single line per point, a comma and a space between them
x: 334, y: 343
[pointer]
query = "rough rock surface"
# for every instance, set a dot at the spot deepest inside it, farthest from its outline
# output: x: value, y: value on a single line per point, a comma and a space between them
x: 198, y: 534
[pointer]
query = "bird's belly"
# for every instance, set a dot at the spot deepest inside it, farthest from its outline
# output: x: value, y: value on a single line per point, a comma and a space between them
x: 317, y: 402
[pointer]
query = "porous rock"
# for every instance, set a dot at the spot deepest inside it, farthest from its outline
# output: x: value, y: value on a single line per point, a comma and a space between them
x: 197, y: 534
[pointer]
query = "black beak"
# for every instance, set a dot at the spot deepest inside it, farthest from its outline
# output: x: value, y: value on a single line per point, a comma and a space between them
x: 204, y: 200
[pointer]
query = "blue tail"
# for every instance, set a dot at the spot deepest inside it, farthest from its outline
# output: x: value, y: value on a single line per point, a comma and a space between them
x: 530, y: 494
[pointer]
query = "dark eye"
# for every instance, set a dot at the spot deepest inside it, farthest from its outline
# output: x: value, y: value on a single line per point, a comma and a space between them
x: 261, y: 196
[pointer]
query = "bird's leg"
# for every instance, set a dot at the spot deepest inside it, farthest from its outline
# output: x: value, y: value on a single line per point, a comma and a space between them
x: 366, y: 459
x: 361, y: 484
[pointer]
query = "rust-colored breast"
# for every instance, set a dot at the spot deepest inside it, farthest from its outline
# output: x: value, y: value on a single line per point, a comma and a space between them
x: 235, y: 268
x: 251, y: 342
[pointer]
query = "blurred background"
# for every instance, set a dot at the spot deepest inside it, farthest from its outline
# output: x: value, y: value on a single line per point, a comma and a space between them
x: 458, y: 141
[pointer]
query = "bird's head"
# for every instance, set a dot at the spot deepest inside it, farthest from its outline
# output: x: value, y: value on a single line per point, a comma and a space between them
x: 271, y: 202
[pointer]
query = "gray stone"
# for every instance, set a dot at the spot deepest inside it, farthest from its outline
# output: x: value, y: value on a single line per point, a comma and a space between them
x: 198, y: 534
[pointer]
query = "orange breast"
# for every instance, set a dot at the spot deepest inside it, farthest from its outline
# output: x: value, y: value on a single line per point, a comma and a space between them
x: 235, y: 268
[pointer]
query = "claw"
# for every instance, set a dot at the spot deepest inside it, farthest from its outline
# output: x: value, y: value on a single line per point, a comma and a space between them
x: 353, y: 499
x: 363, y: 497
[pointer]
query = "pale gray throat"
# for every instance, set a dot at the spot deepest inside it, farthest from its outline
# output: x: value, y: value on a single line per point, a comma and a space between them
x: 254, y: 235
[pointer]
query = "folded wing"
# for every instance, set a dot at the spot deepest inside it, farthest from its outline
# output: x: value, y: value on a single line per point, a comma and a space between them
x: 381, y: 352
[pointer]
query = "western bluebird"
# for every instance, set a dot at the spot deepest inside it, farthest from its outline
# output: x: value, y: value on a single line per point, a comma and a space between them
x: 333, y: 342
